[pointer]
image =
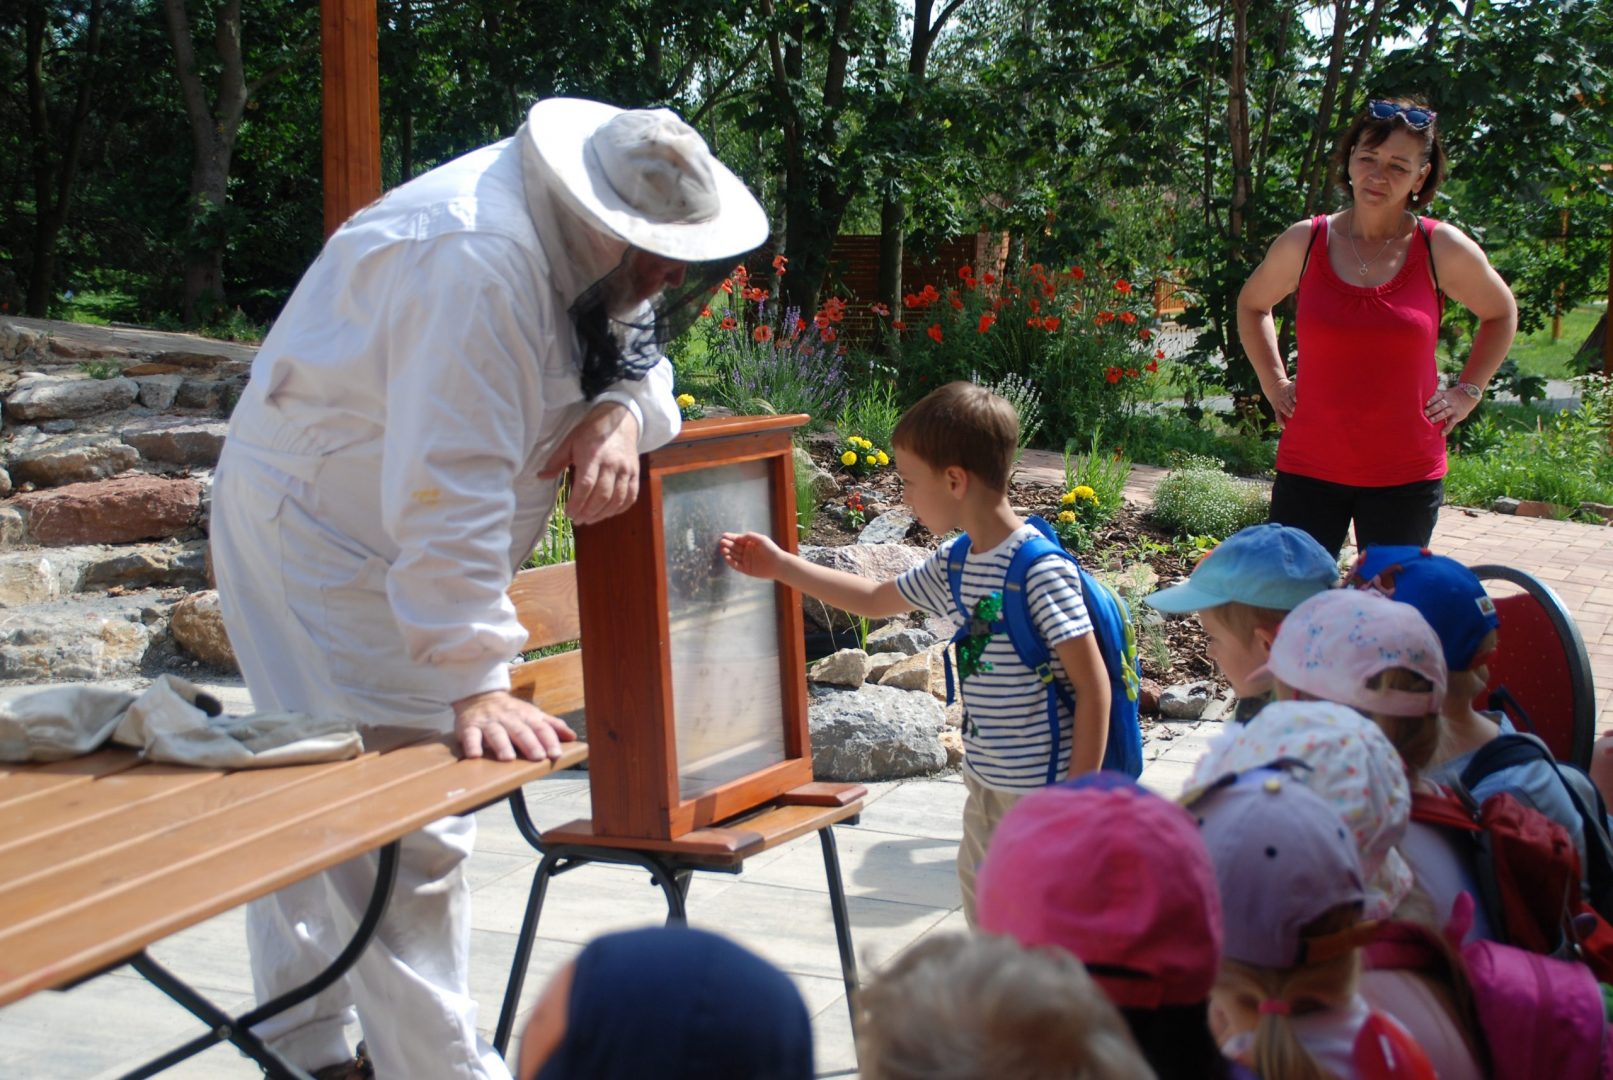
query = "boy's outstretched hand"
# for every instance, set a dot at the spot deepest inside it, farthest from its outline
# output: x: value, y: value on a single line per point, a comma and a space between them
x: 751, y: 553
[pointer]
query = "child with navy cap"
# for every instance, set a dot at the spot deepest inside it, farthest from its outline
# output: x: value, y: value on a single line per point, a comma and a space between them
x: 1293, y: 898
x: 1241, y: 591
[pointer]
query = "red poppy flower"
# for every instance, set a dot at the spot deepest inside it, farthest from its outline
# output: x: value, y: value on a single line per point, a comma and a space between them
x: 800, y: 324
x: 1131, y: 373
x: 910, y: 301
x: 828, y: 334
x: 986, y: 320
x: 762, y: 333
x: 1112, y: 374
x: 935, y: 332
x: 1159, y: 354
x: 1050, y: 290
x: 727, y: 286
x: 1104, y: 317
x: 1151, y: 366
x: 965, y: 273
x: 1122, y: 286
x: 1146, y: 335
x: 1051, y: 323
x: 779, y: 262
x: 740, y: 272
x: 728, y: 323
x: 956, y: 301
x: 1037, y: 269
x: 898, y: 324
x: 1128, y: 318
x: 1033, y: 321
x: 989, y: 278
x: 879, y: 309
x: 929, y: 294
x: 756, y: 295
x: 705, y: 312
x: 1077, y: 273
x: 1036, y: 306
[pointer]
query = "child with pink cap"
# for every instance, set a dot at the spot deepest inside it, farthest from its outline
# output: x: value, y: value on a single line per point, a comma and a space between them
x: 1294, y: 899
x: 1107, y: 870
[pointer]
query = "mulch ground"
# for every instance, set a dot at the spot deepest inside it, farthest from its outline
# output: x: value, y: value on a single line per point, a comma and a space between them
x: 1119, y: 547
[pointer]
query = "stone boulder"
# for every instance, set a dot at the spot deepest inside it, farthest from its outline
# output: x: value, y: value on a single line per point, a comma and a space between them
x: 158, y: 389
x: 890, y: 527
x: 65, y: 640
x: 75, y: 460
x: 909, y: 673
x: 879, y: 663
x: 906, y: 640
x: 18, y: 343
x: 199, y: 629
x: 874, y: 733
x: 822, y: 482
x: 881, y: 562
x: 26, y: 577
x: 117, y: 511
x: 1186, y: 701
x: 5, y: 483
x: 848, y: 667
x: 178, y: 440
x: 50, y: 397
x: 139, y: 566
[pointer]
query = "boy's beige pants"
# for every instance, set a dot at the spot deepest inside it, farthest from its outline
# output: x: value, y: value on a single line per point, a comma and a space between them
x: 982, y: 810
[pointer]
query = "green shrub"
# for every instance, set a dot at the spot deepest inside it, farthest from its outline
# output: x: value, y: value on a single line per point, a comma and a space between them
x: 1165, y: 436
x: 1094, y: 490
x: 1563, y: 459
x: 1198, y: 499
x: 101, y: 369
x: 871, y: 414
x: 806, y: 504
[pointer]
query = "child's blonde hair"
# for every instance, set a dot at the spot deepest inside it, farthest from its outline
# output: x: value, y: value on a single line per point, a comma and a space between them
x: 1242, y: 620
x: 1415, y: 738
x: 1328, y: 984
x: 962, y: 1006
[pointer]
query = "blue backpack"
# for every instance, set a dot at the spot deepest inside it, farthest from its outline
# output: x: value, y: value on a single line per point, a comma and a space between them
x: 1111, y: 622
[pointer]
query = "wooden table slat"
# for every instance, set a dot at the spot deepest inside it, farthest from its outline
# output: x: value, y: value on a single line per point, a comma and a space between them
x: 25, y: 781
x: 108, y: 924
x: 74, y: 807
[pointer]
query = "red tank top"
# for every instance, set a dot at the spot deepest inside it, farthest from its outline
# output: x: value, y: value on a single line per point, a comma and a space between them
x: 1366, y: 368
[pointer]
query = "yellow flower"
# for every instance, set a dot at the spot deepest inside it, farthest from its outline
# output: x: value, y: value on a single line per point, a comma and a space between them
x: 864, y: 443
x: 871, y: 459
x: 1068, y: 499
x: 1084, y: 492
x: 1067, y: 517
x: 685, y: 400
x: 884, y: 458
x: 849, y: 458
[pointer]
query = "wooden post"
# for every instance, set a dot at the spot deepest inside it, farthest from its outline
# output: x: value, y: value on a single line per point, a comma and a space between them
x: 352, y: 107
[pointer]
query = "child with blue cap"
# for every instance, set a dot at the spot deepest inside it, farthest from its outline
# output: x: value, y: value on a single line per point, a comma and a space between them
x: 1241, y: 592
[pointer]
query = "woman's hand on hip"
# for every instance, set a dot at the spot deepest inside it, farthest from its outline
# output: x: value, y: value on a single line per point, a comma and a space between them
x: 1282, y: 398
x: 1449, y: 407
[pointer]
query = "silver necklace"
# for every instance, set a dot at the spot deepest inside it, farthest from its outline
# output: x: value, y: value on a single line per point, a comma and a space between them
x: 1363, y: 265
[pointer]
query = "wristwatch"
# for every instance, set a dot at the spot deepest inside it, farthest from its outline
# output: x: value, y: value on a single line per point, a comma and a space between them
x: 1472, y: 390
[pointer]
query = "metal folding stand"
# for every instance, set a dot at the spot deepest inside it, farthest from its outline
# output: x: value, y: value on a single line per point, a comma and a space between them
x: 238, y: 1029
x: 672, y: 873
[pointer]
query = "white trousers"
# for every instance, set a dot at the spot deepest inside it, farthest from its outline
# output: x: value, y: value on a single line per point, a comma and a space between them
x: 277, y: 570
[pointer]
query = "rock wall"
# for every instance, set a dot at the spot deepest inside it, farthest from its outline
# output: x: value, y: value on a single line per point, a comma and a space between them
x: 106, y: 461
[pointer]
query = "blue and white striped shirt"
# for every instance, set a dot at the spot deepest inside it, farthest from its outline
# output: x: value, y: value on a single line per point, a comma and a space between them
x: 1006, y: 747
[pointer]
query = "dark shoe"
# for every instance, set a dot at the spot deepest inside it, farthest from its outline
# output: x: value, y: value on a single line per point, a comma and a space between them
x: 359, y: 1068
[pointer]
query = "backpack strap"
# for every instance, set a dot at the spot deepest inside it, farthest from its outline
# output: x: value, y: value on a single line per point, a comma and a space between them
x: 1426, y: 227
x: 956, y: 554
x: 1027, y: 640
x: 1316, y: 228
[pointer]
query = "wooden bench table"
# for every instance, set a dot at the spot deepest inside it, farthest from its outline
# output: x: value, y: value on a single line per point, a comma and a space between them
x: 103, y: 855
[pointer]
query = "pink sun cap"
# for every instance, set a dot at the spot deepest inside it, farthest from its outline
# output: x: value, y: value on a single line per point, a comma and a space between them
x: 1115, y: 875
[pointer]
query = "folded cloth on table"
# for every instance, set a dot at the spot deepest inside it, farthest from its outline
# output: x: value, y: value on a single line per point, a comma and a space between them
x: 174, y: 721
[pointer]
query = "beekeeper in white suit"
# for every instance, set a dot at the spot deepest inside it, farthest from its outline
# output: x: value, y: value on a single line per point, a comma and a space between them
x: 455, y: 347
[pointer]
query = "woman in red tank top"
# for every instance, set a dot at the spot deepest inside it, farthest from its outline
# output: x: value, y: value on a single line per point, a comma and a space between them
x: 1364, y: 418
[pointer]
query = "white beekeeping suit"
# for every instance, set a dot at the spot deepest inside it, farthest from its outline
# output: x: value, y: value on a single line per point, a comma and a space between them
x: 381, y: 483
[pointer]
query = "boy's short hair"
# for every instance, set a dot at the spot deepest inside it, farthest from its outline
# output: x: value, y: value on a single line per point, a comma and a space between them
x: 1270, y: 566
x: 968, y: 1005
x: 1244, y: 619
x: 964, y: 425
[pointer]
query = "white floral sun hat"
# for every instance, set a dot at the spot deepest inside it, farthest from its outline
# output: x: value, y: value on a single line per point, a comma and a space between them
x: 1349, y: 762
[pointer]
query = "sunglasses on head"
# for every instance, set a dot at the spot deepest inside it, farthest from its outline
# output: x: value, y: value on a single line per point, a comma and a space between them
x: 1415, y: 117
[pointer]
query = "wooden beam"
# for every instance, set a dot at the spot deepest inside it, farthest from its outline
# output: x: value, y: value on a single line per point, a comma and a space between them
x: 352, y: 108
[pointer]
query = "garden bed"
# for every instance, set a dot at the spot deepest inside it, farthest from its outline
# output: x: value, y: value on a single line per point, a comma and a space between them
x: 1129, y: 552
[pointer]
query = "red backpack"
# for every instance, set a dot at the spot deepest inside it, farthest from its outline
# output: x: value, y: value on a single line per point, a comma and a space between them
x: 1528, y: 876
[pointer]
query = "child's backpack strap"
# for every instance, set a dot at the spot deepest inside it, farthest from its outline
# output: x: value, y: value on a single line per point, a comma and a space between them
x: 1028, y: 644
x: 956, y: 554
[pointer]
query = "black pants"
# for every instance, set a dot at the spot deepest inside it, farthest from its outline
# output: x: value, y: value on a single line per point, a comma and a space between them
x: 1402, y: 514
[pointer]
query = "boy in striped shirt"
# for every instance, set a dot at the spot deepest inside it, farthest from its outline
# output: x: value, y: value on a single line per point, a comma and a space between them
x: 954, y: 451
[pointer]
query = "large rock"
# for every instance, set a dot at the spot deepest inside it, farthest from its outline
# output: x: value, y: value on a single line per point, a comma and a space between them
x: 26, y: 578
x: 140, y: 566
x: 199, y: 629
x: 75, y: 461
x: 874, y: 733
x: 822, y: 482
x: 178, y: 440
x: 49, y: 397
x: 1186, y: 701
x: 910, y: 673
x: 67, y: 640
x: 21, y: 343
x: 157, y: 389
x: 117, y: 511
x: 890, y: 527
x: 848, y: 667
x: 5, y: 483
x: 191, y: 361
x: 907, y: 640
x: 881, y: 562
x: 13, y: 526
